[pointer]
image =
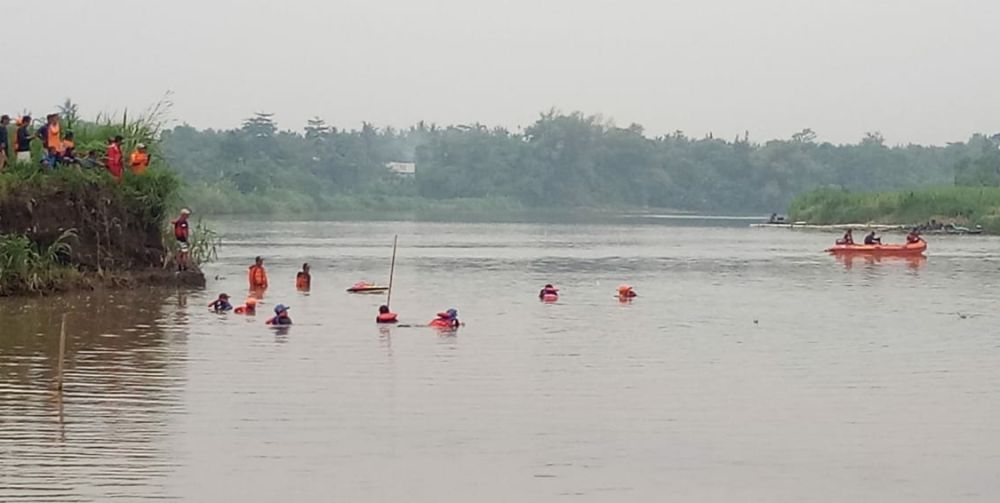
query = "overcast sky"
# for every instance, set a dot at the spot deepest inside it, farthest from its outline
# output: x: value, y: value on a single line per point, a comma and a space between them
x: 923, y: 71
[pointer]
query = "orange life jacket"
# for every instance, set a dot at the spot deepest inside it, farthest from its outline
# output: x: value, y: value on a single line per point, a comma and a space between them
x: 386, y: 318
x: 53, y: 140
x: 138, y: 161
x: 258, y: 277
x: 302, y: 281
x: 245, y: 310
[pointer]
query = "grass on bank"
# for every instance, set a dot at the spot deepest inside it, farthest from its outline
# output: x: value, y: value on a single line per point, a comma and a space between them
x: 28, y: 267
x: 961, y: 205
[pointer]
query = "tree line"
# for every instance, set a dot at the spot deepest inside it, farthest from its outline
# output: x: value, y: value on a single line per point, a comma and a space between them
x: 560, y: 160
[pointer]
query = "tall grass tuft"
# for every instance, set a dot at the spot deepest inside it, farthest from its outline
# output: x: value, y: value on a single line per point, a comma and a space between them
x: 28, y: 267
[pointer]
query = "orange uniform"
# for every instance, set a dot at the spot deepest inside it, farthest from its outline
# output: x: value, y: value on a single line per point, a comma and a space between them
x: 138, y: 161
x: 257, y: 277
x: 303, y: 281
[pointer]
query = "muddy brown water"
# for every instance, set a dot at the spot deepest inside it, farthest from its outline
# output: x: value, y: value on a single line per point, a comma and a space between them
x: 859, y: 381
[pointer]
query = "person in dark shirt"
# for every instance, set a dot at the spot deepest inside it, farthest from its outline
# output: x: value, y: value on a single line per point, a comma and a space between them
x: 4, y: 140
x: 23, y: 139
x: 848, y: 238
x: 871, y: 239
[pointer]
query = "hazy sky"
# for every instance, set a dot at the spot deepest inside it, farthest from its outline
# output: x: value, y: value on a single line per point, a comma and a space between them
x: 921, y: 71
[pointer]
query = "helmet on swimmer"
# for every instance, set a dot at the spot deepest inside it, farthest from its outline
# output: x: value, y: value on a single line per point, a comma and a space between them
x: 280, y: 308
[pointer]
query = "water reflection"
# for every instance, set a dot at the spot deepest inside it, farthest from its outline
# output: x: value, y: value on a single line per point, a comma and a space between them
x: 122, y: 377
x: 912, y: 262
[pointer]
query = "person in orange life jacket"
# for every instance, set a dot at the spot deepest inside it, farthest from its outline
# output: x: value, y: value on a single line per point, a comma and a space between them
x: 385, y: 315
x: 257, y: 275
x: 249, y: 308
x: 548, y: 290
x: 913, y: 237
x: 280, y: 316
x: 49, y: 134
x: 139, y: 160
x: 114, y: 157
x: 221, y: 304
x: 181, y: 234
x: 303, y: 280
x: 626, y: 292
x: 446, y: 319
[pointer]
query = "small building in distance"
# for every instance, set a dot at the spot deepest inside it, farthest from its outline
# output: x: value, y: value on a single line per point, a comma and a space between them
x: 402, y: 168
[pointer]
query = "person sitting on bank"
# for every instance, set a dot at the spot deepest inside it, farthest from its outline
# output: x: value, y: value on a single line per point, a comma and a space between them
x: 50, y: 158
x: 249, y: 308
x: 848, y: 238
x: 303, y: 280
x: 257, y: 275
x: 92, y: 160
x: 872, y: 239
x: 221, y: 304
x: 69, y: 149
x: 913, y: 237
x: 385, y: 315
x: 280, y: 316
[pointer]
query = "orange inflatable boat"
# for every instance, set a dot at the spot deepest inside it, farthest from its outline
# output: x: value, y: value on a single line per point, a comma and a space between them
x: 909, y: 249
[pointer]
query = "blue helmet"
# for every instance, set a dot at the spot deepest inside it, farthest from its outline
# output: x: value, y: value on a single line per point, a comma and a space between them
x: 280, y: 308
x: 452, y: 313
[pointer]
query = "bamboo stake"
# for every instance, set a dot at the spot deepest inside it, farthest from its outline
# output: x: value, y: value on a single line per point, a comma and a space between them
x: 62, y: 353
x: 392, y: 269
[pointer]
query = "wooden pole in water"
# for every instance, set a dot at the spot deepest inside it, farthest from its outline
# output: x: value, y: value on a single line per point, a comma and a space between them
x: 392, y: 268
x: 62, y: 353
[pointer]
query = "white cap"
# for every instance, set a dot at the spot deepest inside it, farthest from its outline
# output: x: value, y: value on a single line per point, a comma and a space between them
x: 185, y: 211
x: 141, y: 145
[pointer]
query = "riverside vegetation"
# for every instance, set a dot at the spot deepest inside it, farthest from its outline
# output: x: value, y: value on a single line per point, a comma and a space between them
x: 973, y: 199
x: 565, y: 161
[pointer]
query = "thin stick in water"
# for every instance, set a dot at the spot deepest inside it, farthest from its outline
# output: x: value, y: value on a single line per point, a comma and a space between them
x: 62, y: 354
x: 392, y: 269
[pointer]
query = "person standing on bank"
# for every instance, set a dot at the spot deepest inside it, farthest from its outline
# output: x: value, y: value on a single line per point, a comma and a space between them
x: 22, y: 140
x: 182, y: 233
x: 4, y: 140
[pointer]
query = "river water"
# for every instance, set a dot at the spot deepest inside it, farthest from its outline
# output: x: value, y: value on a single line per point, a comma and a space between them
x: 752, y: 367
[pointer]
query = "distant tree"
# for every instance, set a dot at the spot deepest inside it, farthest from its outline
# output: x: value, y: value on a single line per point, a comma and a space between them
x: 316, y: 129
x: 805, y: 136
x: 261, y: 125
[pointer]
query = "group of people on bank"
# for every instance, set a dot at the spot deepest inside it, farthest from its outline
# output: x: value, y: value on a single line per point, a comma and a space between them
x: 58, y: 148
